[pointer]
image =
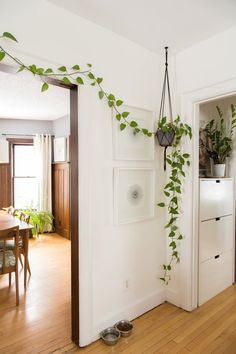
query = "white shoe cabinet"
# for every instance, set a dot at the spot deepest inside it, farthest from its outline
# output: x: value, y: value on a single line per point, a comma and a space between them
x: 216, y: 237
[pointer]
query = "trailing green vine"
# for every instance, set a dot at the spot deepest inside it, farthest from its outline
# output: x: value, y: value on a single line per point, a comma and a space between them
x: 75, y: 75
x: 176, y: 159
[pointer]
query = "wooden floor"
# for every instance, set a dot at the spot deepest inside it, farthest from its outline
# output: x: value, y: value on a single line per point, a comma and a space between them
x: 41, y: 324
x: 168, y: 329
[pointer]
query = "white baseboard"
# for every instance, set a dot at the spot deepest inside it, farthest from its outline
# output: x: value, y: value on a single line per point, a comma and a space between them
x: 130, y: 312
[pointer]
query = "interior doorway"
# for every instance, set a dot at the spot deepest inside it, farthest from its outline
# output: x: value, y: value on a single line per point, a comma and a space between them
x: 74, y: 215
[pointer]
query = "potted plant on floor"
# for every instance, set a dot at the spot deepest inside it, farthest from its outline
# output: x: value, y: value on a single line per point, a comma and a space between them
x: 220, y: 141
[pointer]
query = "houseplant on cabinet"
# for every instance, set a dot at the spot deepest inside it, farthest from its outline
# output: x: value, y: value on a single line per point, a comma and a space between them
x: 220, y: 140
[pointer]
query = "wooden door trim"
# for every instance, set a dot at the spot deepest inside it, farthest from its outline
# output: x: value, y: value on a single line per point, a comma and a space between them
x: 74, y: 202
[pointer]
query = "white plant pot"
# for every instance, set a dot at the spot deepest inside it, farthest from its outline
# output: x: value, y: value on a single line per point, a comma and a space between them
x: 219, y: 170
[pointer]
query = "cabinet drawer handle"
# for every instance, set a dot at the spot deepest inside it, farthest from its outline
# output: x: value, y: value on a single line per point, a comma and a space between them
x: 218, y: 256
x: 217, y: 219
x: 217, y: 181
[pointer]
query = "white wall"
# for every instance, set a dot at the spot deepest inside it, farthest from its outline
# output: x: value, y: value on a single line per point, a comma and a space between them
x: 109, y: 254
x: 203, y: 72
x: 25, y: 126
x: 61, y: 126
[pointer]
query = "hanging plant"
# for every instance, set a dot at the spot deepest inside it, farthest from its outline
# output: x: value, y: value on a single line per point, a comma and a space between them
x: 165, y: 131
x: 177, y: 161
x: 168, y: 134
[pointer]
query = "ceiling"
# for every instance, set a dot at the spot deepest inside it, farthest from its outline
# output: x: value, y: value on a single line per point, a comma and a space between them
x: 21, y: 98
x: 156, y: 23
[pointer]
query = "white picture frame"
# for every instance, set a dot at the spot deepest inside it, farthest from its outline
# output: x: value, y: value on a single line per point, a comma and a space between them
x: 134, y: 194
x: 130, y: 146
x: 60, y: 149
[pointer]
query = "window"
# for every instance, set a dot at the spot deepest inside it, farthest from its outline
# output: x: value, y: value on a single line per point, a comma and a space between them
x: 25, y: 185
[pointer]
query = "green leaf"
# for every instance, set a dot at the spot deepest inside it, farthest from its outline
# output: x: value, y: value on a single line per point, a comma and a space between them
x: 169, y: 267
x: 111, y: 97
x: 163, y: 279
x: 169, y: 161
x: 101, y: 95
x: 161, y: 205
x: 110, y: 103
x: 2, y: 55
x: 79, y: 80
x: 133, y: 124
x: 122, y: 126
x: 48, y: 71
x: 119, y: 103
x: 118, y: 116
x: 167, y: 193
x: 137, y: 130
x: 10, y: 36
x: 76, y: 67
x: 44, y: 87
x: 149, y: 134
x: 145, y: 131
x: 62, y: 69
x: 33, y: 68
x: 186, y: 156
x: 66, y: 80
x: 173, y: 245
x: 178, y: 190
x: 188, y: 163
x: 174, y: 200
x: 172, y: 234
x: 21, y: 68
x: 99, y: 80
x: 91, y: 76
x: 89, y: 65
x: 40, y: 71
x: 125, y: 114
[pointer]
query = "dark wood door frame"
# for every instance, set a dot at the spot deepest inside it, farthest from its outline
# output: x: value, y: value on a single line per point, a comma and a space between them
x: 74, y: 199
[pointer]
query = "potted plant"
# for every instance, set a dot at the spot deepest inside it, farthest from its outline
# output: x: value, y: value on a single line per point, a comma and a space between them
x: 220, y: 141
x: 165, y: 132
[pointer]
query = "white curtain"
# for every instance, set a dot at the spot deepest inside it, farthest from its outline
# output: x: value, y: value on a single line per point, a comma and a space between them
x: 43, y: 150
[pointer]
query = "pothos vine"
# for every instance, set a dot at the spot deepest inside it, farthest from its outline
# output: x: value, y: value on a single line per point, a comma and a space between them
x: 177, y: 159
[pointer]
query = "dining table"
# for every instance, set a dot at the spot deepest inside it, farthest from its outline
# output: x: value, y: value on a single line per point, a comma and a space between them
x: 6, y: 222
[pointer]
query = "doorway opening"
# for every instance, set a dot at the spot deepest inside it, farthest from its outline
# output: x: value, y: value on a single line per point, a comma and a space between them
x: 16, y: 197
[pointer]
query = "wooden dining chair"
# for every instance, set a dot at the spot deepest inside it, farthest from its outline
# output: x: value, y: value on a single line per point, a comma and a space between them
x: 10, y: 210
x: 9, y: 258
x: 26, y: 218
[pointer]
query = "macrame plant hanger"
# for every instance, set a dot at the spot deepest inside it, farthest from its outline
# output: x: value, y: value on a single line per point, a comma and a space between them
x: 165, y: 139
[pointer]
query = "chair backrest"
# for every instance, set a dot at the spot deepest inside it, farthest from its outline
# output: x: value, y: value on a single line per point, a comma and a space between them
x: 8, y: 259
x: 24, y: 217
x: 11, y: 210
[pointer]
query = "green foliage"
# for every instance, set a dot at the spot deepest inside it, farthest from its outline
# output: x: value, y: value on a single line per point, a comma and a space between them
x: 221, y: 138
x: 44, y: 87
x: 177, y: 161
x: 40, y: 220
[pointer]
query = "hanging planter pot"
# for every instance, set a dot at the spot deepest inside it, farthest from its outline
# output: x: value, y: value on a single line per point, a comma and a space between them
x: 165, y: 138
x: 165, y: 134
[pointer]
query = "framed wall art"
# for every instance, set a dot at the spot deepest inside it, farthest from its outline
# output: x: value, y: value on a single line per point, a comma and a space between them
x: 128, y: 145
x: 134, y: 194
